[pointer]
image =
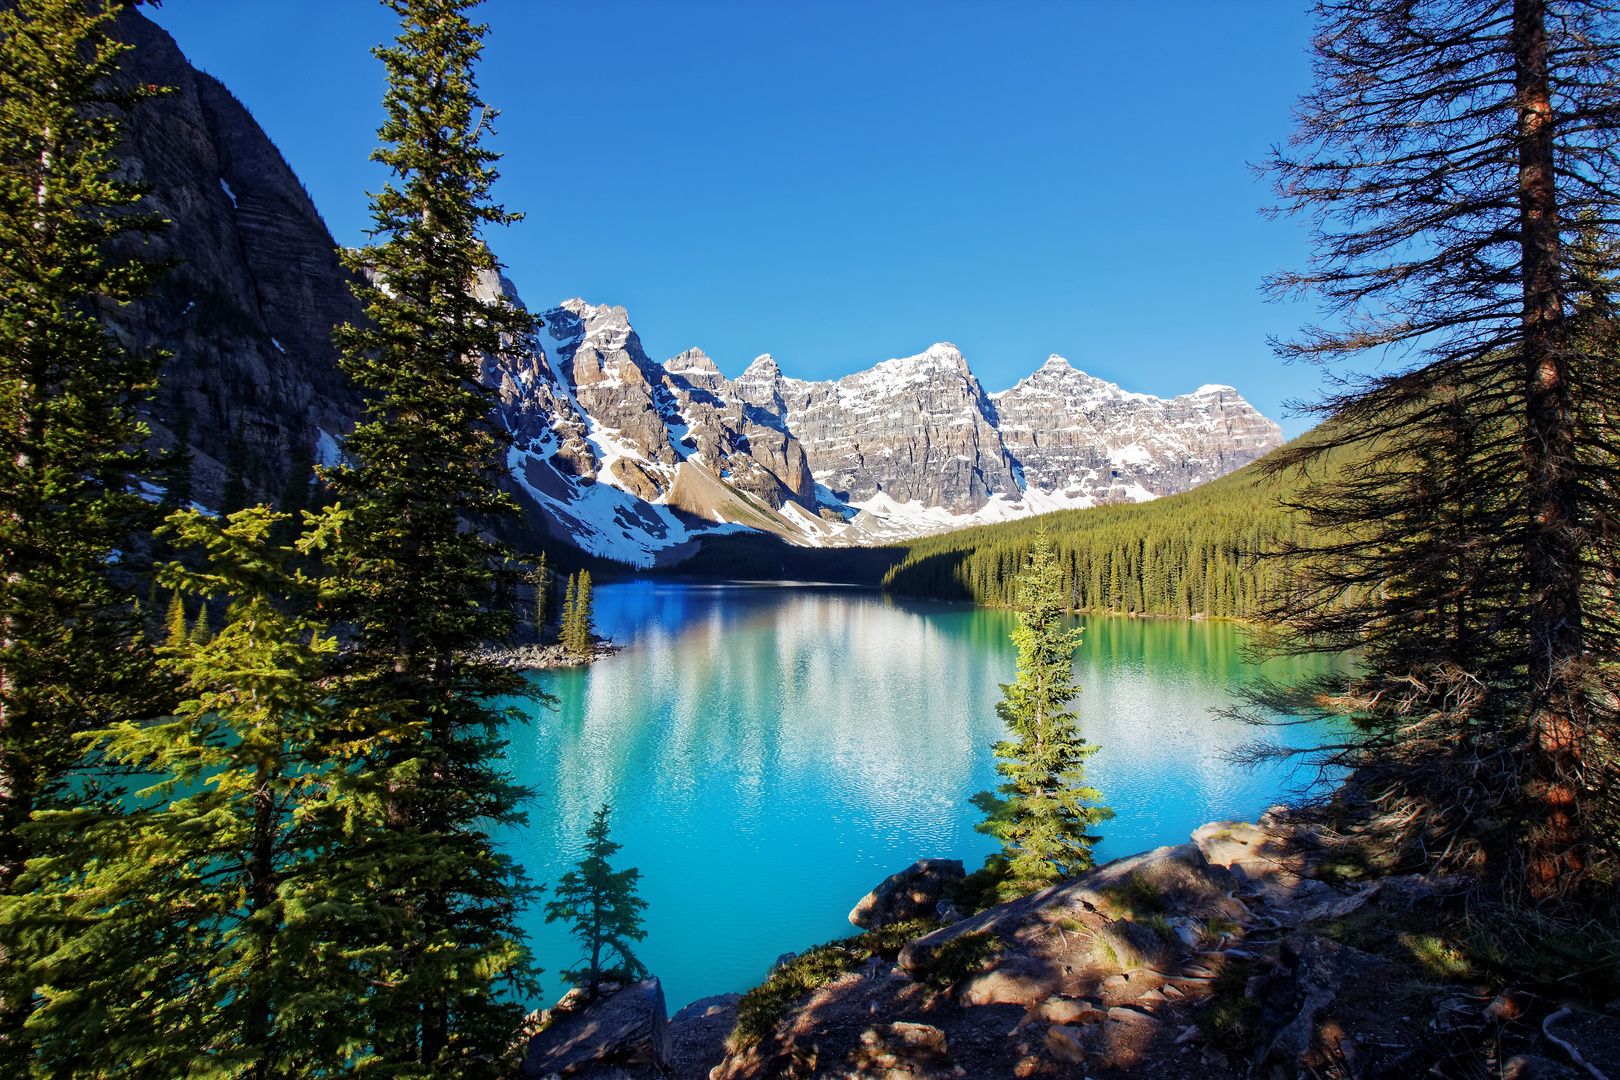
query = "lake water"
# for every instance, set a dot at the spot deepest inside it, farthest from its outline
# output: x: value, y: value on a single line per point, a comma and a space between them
x: 773, y: 752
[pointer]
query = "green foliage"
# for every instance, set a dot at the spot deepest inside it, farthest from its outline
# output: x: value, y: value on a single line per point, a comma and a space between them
x: 192, y: 923
x: 763, y: 1007
x: 175, y: 621
x: 1138, y: 898
x: 71, y: 658
x: 577, y: 631
x: 1231, y: 1020
x: 1189, y: 555
x: 420, y: 589
x: 540, y: 579
x: 959, y: 958
x: 1042, y: 812
x: 602, y: 906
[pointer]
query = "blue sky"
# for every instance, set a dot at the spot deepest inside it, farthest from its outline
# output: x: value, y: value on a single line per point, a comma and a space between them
x: 840, y: 182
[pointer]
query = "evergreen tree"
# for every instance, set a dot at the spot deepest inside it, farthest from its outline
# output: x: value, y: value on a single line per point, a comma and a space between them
x: 297, y: 494
x: 70, y: 444
x: 1449, y: 157
x: 602, y: 907
x: 176, y: 621
x: 541, y: 580
x: 200, y: 630
x: 580, y: 631
x: 565, y: 626
x: 195, y: 933
x: 1043, y: 811
x: 420, y: 588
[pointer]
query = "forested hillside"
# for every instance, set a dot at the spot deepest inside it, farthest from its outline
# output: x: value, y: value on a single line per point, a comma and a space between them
x: 1194, y: 554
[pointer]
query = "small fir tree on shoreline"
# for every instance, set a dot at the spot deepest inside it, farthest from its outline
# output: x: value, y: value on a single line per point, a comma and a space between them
x: 602, y: 907
x: 1043, y: 812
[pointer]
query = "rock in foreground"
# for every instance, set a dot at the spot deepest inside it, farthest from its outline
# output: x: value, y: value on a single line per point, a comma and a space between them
x: 628, y: 1029
x: 910, y: 894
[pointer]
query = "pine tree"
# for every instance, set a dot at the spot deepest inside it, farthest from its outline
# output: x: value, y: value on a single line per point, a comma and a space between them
x: 1448, y: 158
x: 175, y: 468
x: 423, y: 591
x: 565, y: 627
x: 1043, y: 811
x: 603, y: 908
x: 541, y: 580
x: 69, y: 442
x: 581, y: 631
x: 176, y: 621
x: 197, y: 933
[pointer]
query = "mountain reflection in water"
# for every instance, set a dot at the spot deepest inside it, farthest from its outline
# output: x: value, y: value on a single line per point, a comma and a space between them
x: 772, y: 752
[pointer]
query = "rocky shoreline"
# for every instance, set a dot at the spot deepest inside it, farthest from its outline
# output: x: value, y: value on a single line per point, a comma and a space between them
x: 535, y: 657
x: 1239, y: 954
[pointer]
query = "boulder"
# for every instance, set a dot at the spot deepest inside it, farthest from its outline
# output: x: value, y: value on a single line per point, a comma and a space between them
x: 910, y: 894
x: 1185, y: 881
x: 628, y: 1029
x: 1019, y: 981
x: 1069, y: 1011
x: 1063, y: 1043
x: 901, y: 1050
x: 1531, y: 1067
x: 1132, y: 945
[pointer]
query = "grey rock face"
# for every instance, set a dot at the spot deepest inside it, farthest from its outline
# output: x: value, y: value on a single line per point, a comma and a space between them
x: 919, y: 429
x: 1071, y: 432
x: 249, y: 312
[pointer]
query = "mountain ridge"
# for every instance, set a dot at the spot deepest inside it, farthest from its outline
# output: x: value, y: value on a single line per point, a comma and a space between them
x: 614, y: 452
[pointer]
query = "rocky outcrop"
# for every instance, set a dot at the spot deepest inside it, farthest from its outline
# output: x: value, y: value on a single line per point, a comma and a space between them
x: 918, y: 429
x: 1073, y: 433
x: 1257, y: 986
x: 910, y: 894
x: 625, y: 1029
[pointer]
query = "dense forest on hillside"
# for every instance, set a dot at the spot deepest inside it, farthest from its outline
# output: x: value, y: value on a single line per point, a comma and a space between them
x: 1194, y: 554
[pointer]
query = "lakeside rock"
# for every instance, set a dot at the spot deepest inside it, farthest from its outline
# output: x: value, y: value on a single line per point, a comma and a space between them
x: 627, y: 1028
x: 1200, y: 961
x: 910, y: 894
x: 534, y: 657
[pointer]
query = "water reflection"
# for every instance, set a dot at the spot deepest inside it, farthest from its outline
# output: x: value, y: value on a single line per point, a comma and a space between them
x: 772, y: 752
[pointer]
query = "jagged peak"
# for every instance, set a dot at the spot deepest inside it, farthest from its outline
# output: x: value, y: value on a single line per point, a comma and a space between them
x: 763, y: 364
x: 1213, y: 388
x: 1057, y: 364
x: 691, y: 360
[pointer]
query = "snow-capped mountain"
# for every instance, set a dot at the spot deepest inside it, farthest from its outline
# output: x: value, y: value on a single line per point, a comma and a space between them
x: 624, y: 456
x: 634, y: 460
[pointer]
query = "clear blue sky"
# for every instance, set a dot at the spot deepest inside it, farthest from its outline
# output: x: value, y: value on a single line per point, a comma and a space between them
x: 836, y: 183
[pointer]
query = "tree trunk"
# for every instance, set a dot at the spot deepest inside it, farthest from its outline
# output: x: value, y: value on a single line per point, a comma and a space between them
x: 1554, y: 638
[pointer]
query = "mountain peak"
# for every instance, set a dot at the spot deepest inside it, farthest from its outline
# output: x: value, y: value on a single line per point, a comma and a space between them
x: 692, y: 360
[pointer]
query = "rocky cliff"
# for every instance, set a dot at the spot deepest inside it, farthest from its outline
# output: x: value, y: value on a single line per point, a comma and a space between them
x: 249, y: 312
x: 910, y: 446
x: 622, y: 455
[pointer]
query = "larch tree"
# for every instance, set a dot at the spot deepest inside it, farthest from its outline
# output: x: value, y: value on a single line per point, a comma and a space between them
x: 415, y: 576
x: 70, y: 443
x: 1043, y: 812
x: 601, y: 907
x: 1447, y: 159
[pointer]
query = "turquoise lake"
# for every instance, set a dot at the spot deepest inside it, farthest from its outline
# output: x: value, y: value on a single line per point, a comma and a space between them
x: 772, y: 752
